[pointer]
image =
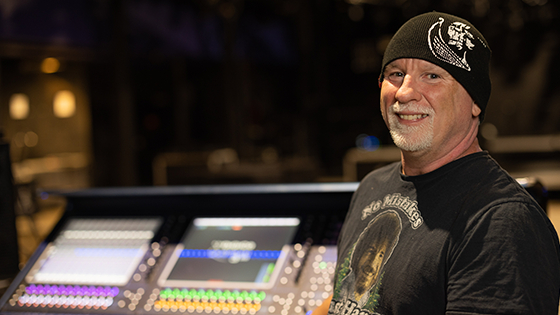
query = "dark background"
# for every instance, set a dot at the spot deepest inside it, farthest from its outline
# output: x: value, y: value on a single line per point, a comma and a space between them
x: 288, y: 86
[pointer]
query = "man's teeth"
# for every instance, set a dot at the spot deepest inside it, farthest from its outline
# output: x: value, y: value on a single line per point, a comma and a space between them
x: 413, y: 117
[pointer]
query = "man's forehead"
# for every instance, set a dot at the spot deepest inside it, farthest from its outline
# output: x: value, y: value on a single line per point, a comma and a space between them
x: 402, y: 62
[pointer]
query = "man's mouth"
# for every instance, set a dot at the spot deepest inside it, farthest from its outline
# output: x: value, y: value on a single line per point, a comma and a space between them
x: 412, y: 117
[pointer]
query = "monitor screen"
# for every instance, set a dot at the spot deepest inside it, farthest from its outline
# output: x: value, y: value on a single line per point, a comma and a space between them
x: 230, y: 253
x: 99, y: 251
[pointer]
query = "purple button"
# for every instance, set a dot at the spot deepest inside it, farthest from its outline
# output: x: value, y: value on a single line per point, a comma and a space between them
x: 30, y: 289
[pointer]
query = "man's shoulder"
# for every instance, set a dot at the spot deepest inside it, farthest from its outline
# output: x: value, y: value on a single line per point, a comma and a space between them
x: 383, y: 172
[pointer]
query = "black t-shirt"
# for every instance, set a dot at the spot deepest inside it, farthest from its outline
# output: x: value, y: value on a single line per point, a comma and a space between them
x: 463, y: 239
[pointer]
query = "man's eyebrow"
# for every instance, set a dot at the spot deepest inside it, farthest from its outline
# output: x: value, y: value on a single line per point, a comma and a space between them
x: 388, y: 68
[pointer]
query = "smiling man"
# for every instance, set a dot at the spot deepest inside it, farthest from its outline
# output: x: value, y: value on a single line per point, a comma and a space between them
x: 466, y: 238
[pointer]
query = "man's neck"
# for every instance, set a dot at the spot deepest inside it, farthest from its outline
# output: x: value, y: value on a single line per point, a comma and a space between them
x: 418, y: 163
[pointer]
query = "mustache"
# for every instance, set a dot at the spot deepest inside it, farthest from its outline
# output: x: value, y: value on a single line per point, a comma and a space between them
x: 397, y: 108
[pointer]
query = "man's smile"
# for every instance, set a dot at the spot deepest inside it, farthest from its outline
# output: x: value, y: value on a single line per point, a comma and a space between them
x: 412, y: 117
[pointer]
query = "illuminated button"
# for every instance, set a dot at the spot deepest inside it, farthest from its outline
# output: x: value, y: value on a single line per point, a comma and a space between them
x: 284, y: 280
x: 121, y: 303
x: 322, y: 249
x: 164, y: 294
x: 30, y: 289
x: 114, y: 291
x: 151, y: 261
x: 137, y: 277
x: 80, y: 301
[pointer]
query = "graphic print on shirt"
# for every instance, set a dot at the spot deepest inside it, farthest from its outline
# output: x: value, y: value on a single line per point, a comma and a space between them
x: 360, y: 274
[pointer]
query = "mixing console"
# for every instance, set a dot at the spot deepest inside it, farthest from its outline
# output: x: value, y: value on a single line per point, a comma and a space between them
x: 242, y: 264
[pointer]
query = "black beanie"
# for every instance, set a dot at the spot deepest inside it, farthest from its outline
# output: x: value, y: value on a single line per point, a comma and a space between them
x: 451, y: 43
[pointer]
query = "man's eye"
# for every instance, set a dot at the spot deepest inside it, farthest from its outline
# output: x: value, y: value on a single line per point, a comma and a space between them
x: 396, y: 74
x: 433, y: 76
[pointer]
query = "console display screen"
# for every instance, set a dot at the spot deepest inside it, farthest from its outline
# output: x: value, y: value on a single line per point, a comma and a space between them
x: 230, y: 253
x: 95, y: 251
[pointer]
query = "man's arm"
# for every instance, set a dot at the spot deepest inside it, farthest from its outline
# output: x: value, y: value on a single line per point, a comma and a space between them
x: 323, y: 309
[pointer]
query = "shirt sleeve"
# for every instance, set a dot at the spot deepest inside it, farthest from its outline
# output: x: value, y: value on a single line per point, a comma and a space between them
x: 505, y: 262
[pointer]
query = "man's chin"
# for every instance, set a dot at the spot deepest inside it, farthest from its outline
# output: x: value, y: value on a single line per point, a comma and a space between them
x: 408, y: 143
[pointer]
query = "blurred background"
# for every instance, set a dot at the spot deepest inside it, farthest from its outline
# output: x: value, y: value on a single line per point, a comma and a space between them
x: 104, y: 93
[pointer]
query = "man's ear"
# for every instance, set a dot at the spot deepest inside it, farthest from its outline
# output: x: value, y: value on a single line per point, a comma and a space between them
x: 476, y: 110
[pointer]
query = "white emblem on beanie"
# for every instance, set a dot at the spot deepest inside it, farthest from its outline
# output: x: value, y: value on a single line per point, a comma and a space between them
x: 459, y: 36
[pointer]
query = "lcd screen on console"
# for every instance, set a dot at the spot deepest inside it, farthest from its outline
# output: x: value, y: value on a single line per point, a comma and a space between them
x: 230, y: 253
x: 95, y: 251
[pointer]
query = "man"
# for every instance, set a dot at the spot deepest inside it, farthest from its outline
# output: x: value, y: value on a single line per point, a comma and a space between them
x: 468, y: 239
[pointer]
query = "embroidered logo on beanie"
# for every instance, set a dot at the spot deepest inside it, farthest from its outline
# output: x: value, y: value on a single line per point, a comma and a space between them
x: 449, y: 42
x: 459, y: 37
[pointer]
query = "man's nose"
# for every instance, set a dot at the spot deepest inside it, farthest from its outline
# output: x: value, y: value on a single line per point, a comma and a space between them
x: 408, y: 90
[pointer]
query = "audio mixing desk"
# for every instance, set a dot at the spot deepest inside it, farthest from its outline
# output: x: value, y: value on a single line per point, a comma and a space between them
x: 241, y: 249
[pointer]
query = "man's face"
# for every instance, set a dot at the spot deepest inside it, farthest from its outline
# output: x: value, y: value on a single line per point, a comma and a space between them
x: 425, y: 108
x: 369, y: 266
